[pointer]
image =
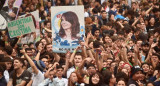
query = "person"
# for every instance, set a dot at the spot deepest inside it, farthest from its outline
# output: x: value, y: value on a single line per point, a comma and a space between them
x: 3, y: 81
x: 19, y: 76
x: 74, y: 79
x: 49, y: 81
x: 135, y: 76
x: 10, y: 9
x: 121, y: 82
x: 69, y: 29
x: 155, y: 78
x: 37, y: 75
x: 8, y: 63
x: 95, y: 80
x: 59, y: 80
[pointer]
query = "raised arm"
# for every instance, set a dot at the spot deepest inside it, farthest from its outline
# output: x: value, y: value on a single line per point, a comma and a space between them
x: 46, y: 75
x: 99, y: 60
x: 38, y: 54
x: 136, y: 50
x: 83, y: 50
x: 73, y: 55
x: 150, y: 52
x: 147, y: 12
x: 34, y: 68
x: 57, y: 57
x: 48, y: 30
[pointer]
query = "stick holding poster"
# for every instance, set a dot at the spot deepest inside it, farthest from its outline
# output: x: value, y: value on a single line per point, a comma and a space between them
x: 67, y: 27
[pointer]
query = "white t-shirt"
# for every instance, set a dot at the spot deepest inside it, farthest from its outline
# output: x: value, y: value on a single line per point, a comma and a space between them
x: 69, y: 71
x: 37, y: 78
x: 60, y: 82
x: 72, y: 69
x: 6, y: 75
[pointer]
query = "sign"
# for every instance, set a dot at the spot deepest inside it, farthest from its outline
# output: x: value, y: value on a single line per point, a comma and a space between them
x: 21, y: 26
x: 14, y: 4
x: 29, y: 37
x: 67, y: 27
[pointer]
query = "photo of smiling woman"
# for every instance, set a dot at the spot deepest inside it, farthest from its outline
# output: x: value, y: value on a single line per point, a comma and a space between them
x: 69, y: 30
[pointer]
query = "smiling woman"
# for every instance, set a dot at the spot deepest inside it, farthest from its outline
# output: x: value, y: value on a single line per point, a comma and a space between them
x: 69, y: 33
x: 95, y: 80
x: 70, y: 26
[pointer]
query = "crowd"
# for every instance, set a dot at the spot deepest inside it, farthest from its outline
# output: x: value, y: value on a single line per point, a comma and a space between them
x: 121, y: 47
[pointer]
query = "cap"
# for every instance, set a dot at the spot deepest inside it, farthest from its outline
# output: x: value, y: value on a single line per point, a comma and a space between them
x: 135, y: 69
x: 40, y: 65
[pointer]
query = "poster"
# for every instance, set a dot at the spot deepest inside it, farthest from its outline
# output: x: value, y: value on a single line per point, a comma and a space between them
x: 12, y: 7
x: 20, y: 27
x: 67, y: 27
x: 29, y: 38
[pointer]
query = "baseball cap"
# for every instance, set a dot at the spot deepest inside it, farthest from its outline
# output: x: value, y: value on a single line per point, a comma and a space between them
x: 135, y: 69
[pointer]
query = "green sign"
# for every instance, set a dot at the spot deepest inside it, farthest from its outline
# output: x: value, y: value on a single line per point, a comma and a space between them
x: 21, y: 26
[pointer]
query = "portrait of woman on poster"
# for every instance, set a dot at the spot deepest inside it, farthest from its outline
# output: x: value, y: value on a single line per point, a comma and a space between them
x: 69, y: 29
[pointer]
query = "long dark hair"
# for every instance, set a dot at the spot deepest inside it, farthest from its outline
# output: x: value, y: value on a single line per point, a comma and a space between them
x: 100, y: 80
x: 73, y: 19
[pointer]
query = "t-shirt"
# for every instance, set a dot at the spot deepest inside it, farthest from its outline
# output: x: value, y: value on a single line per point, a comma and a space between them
x: 25, y: 76
x: 60, y: 82
x: 37, y: 78
x: 132, y: 82
x: 69, y: 71
x: 3, y: 81
x: 6, y: 74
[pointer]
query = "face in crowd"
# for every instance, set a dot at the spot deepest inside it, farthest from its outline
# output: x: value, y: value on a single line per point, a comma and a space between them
x: 77, y: 60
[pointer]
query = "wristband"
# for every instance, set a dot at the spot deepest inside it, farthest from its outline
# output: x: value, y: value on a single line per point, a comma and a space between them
x: 76, y: 68
x: 104, y: 68
x: 6, y: 42
x: 74, y: 51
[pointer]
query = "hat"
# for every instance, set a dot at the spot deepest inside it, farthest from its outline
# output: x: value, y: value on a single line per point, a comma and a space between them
x: 135, y: 69
x: 40, y: 65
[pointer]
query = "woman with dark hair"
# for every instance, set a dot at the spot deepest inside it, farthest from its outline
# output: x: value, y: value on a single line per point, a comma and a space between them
x: 121, y: 82
x: 70, y: 26
x: 95, y: 80
x: 69, y: 29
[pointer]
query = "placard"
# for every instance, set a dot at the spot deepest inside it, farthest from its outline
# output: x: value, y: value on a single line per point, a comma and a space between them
x: 21, y: 26
x: 67, y: 27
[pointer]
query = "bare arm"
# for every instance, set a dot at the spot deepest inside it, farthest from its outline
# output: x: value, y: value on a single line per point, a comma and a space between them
x: 46, y: 75
x: 30, y: 83
x: 134, y: 23
x: 22, y: 83
x: 136, y: 50
x: 57, y: 57
x: 73, y: 54
x: 38, y: 54
x: 34, y: 68
x: 150, y: 52
x: 10, y: 82
x: 147, y: 12
x: 66, y: 63
x: 98, y: 61
x: 48, y: 30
